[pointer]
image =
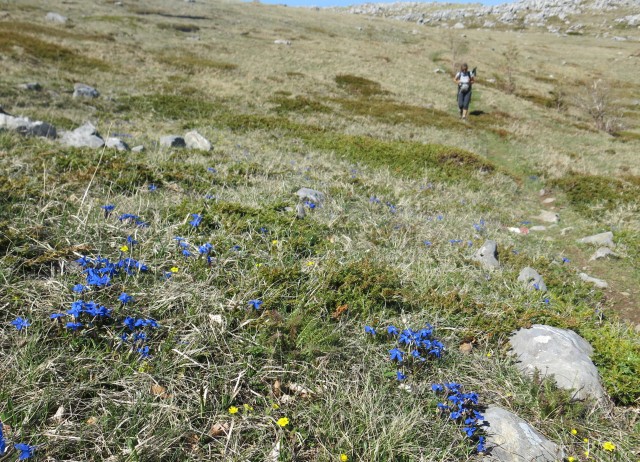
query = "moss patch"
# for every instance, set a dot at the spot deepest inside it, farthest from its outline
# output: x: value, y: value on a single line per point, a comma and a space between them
x: 359, y: 85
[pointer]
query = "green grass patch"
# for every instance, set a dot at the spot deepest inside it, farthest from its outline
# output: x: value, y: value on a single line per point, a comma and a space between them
x: 298, y: 104
x: 590, y: 194
x: 187, y: 28
x: 47, y: 51
x: 359, y: 85
x: 191, y: 63
x: 170, y: 106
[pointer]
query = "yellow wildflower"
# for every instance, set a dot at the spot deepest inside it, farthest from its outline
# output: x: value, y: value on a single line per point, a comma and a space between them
x: 274, y: 242
x: 586, y: 453
x: 344, y: 457
x: 574, y: 431
x: 124, y: 248
x: 310, y: 263
x: 233, y: 410
x: 283, y: 421
x: 247, y: 407
x: 174, y: 269
x: 275, y: 406
x: 608, y: 446
x: 571, y: 459
x: 585, y: 440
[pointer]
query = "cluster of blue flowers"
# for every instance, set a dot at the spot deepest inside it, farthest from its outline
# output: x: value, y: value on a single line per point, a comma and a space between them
x: 93, y: 311
x: 99, y: 271
x: 417, y: 346
x: 205, y: 249
x: 26, y: 451
x: 136, y: 335
x: 375, y: 200
x: 461, y: 408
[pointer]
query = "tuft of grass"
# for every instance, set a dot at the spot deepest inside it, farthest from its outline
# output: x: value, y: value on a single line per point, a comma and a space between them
x: 591, y: 194
x: 192, y: 63
x: 187, y: 28
x: 360, y: 86
x: 298, y: 104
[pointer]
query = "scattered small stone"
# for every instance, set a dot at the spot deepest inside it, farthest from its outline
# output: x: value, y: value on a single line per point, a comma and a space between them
x: 116, y: 143
x: 458, y: 25
x: 599, y: 239
x: 139, y: 148
x: 439, y: 70
x: 488, y: 255
x: 300, y: 212
x: 195, y: 140
x: 548, y: 216
x: 57, y: 18
x: 542, y: 192
x: 282, y: 42
x: 599, y: 283
x: 560, y: 353
x: 26, y: 127
x: 83, y: 136
x: 532, y: 279
x: 538, y: 228
x: 311, y: 194
x: 466, y: 348
x: 565, y: 230
x: 603, y: 252
x: 549, y: 200
x: 31, y: 86
x: 80, y: 90
x: 511, y: 439
x: 172, y: 141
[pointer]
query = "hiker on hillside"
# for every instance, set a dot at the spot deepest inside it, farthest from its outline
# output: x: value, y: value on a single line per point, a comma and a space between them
x: 465, y: 80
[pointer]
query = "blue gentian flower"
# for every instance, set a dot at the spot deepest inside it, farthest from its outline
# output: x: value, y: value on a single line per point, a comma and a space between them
x: 536, y: 286
x: 205, y: 248
x: 481, y: 447
x: 128, y: 216
x: 236, y: 248
x: 212, y: 170
x: 79, y: 288
x: 144, y: 352
x: 374, y: 200
x: 400, y: 376
x: 108, y: 209
x: 197, y: 219
x: 26, y: 451
x: 437, y: 387
x: 3, y: 444
x: 369, y: 330
x: 186, y: 253
x: 255, y: 304
x: 131, y: 241
x: 125, y: 298
x: 427, y: 243
x: 470, y: 431
x: 565, y: 260
x: 392, y: 330
x: 152, y: 187
x: 440, y: 217
x: 20, y: 323
x: 179, y: 238
x: 395, y: 355
x: 76, y: 308
x: 263, y: 230
x: 56, y: 315
x: 73, y: 325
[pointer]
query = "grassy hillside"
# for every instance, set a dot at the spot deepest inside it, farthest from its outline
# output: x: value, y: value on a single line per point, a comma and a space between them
x: 193, y: 367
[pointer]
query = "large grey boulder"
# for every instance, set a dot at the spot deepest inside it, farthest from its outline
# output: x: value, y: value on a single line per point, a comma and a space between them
x: 599, y: 239
x: 487, y: 255
x: 195, y: 140
x: 81, y: 90
x: 532, y: 279
x: 599, y: 283
x: 561, y: 354
x: 27, y: 127
x: 172, y: 141
x: 511, y: 439
x: 85, y: 136
x: 311, y: 195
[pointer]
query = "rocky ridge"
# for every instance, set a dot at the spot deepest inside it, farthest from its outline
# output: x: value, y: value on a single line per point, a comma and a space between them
x: 530, y: 13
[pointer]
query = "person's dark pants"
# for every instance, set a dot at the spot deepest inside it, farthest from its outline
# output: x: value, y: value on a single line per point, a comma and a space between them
x: 464, y: 99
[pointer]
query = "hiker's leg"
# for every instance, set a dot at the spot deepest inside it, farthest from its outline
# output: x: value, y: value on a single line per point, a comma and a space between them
x: 465, y: 105
x: 460, y: 102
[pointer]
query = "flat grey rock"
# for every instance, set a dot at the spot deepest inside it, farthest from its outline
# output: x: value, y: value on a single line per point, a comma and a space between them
x: 548, y: 216
x: 55, y: 17
x: 538, y: 228
x: 116, y: 143
x: 511, y: 439
x: 139, y: 148
x: 599, y: 283
x: 42, y: 129
x: 172, y: 141
x: 31, y: 86
x: 81, y: 90
x: 532, y: 279
x: 487, y: 255
x: 195, y: 140
x: 603, y: 252
x: 9, y: 122
x: 599, y: 239
x: 311, y: 195
x: 561, y: 354
x: 85, y: 136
